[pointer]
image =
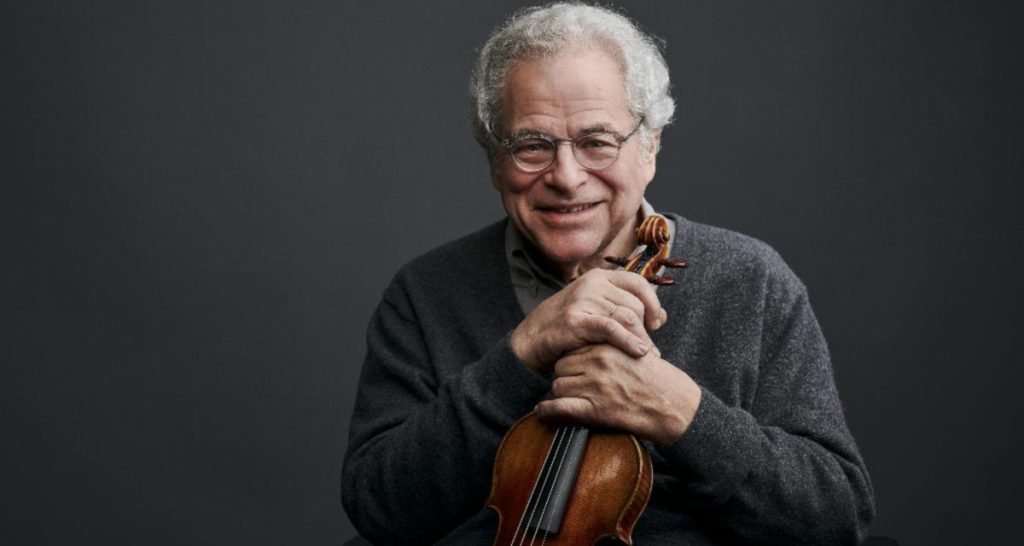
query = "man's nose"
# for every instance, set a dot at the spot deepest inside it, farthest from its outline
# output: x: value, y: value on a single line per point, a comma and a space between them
x: 566, y: 174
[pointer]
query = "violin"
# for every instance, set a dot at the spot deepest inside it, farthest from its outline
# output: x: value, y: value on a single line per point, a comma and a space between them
x: 559, y: 485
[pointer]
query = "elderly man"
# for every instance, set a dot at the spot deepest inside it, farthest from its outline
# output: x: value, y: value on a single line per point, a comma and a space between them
x: 725, y: 377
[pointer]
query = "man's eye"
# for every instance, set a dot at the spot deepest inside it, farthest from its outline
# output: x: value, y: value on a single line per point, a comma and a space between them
x: 531, y: 147
x: 597, y: 142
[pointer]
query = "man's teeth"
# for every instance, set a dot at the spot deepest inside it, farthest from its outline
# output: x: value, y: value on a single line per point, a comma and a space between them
x: 572, y: 209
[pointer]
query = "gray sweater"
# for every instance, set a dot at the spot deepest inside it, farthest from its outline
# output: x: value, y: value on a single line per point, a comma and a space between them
x: 768, y: 458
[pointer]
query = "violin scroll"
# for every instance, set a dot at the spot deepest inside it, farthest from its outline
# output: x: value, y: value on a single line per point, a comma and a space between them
x: 654, y: 235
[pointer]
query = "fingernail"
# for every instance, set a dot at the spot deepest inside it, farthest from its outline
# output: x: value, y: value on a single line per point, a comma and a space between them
x: 641, y: 348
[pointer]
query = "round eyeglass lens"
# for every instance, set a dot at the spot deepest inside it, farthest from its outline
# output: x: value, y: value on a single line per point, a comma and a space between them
x: 533, y: 154
x: 596, y: 151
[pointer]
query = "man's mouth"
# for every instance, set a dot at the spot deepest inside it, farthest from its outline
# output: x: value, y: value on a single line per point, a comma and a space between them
x: 566, y: 209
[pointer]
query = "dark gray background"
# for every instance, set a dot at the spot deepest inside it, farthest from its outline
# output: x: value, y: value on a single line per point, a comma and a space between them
x: 202, y: 202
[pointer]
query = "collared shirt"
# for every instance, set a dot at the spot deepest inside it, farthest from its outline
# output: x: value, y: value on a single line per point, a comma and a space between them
x: 533, y: 284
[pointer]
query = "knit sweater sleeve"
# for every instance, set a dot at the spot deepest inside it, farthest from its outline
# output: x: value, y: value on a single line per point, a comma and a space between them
x: 780, y: 467
x: 426, y: 424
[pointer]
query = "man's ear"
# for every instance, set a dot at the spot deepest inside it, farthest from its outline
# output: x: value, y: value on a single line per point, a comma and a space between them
x: 650, y: 161
x: 655, y: 145
x: 495, y: 179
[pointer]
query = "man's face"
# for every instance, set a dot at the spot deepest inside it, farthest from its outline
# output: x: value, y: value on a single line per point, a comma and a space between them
x: 574, y: 216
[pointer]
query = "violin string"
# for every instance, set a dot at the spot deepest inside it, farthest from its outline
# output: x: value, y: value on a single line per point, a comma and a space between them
x: 559, y: 464
x: 556, y: 456
x: 577, y: 434
x: 542, y: 478
x: 551, y: 447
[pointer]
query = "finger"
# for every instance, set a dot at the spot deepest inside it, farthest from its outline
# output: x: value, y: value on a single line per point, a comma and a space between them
x: 579, y: 351
x: 653, y: 314
x: 623, y: 307
x: 629, y: 320
x: 572, y: 363
x: 574, y: 386
x: 574, y: 410
x: 601, y: 296
x: 633, y: 325
x: 621, y: 302
x: 596, y: 294
x: 607, y: 330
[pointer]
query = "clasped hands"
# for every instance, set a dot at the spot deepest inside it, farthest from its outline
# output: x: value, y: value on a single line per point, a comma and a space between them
x: 593, y: 336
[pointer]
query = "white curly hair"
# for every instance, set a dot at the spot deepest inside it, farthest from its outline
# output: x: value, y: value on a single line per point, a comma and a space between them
x: 545, y: 30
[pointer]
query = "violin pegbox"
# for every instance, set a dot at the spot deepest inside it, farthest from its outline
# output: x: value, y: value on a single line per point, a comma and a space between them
x: 654, y: 235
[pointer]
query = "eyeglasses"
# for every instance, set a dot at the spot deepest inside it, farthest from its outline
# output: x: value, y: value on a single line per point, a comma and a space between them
x: 534, y: 153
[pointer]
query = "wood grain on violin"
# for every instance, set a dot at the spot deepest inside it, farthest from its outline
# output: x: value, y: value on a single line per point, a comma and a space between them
x: 567, y: 484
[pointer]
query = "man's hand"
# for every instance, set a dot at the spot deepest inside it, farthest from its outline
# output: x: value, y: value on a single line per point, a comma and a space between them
x: 603, y: 386
x: 601, y: 306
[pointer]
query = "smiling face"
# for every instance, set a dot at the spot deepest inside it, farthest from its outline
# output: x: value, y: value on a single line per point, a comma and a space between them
x: 572, y: 215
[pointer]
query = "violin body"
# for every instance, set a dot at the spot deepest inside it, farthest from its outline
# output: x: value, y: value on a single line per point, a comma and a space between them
x: 612, y: 487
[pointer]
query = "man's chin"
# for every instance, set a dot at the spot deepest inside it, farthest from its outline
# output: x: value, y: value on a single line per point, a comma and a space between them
x: 568, y: 254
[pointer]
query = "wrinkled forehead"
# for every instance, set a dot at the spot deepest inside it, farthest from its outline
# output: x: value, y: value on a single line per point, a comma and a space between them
x: 564, y: 82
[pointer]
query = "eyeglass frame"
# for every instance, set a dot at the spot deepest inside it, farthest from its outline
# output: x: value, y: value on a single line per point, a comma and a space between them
x: 508, y: 143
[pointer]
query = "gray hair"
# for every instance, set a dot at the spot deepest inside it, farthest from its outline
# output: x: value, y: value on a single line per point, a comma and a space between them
x: 545, y: 30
